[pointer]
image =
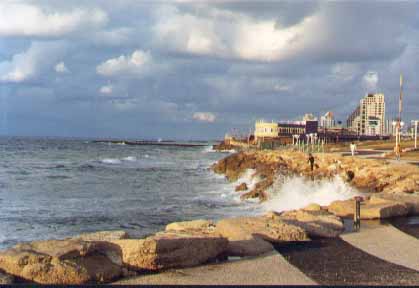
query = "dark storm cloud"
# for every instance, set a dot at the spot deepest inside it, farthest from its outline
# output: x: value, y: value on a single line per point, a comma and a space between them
x: 167, y: 66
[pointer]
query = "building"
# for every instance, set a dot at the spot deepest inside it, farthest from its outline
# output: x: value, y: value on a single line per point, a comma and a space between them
x: 266, y: 129
x: 309, y: 117
x: 327, y: 120
x: 288, y: 128
x: 369, y: 117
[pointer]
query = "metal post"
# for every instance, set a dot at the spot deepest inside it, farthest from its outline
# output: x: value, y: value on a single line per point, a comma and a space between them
x: 416, y: 134
x: 357, y: 214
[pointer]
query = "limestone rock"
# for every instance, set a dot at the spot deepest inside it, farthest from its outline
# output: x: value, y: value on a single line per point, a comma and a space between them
x: 317, y: 223
x: 372, y: 209
x: 103, y: 236
x: 6, y: 279
x: 312, y: 207
x: 243, y: 228
x: 202, y: 225
x: 241, y: 187
x: 250, y: 236
x: 63, y: 261
x: 171, y: 250
x: 410, y: 200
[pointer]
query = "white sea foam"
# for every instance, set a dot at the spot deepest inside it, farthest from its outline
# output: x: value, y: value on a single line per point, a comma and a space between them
x: 111, y: 161
x: 130, y: 158
x: 209, y: 149
x: 297, y: 192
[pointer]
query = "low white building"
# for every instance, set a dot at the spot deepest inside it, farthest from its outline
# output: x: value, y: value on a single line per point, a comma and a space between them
x: 266, y: 129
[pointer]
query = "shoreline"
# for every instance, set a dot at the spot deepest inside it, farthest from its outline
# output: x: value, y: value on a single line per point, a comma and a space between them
x: 108, y: 255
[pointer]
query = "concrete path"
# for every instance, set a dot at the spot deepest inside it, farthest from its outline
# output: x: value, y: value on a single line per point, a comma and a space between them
x: 265, y: 270
x: 386, y: 242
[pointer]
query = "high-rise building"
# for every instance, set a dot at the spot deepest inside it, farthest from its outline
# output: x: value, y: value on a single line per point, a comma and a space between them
x: 327, y: 120
x: 369, y: 117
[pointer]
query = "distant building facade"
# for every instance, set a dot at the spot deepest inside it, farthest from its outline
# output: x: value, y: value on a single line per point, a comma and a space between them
x: 369, y: 117
x: 266, y: 129
x: 327, y: 120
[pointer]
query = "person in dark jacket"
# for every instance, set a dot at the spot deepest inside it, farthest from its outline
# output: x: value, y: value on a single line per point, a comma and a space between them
x: 311, y: 161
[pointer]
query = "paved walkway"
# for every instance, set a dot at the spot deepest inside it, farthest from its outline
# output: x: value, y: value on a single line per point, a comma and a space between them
x: 386, y: 242
x: 265, y: 270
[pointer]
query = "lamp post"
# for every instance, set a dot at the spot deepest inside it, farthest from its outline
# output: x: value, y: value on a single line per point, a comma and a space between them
x: 416, y: 134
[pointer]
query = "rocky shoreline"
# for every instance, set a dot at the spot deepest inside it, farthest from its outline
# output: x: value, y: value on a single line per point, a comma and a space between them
x: 110, y: 255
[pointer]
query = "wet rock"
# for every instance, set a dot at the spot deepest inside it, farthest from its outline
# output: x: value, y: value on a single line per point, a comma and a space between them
x: 317, y: 223
x: 103, y: 236
x: 245, y: 233
x: 6, y: 279
x: 241, y: 187
x: 63, y: 261
x: 171, y: 250
x: 200, y: 225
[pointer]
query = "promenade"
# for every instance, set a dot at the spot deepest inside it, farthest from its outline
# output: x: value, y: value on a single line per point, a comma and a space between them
x: 379, y: 254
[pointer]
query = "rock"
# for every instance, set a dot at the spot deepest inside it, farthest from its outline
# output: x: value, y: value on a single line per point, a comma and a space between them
x: 350, y: 175
x: 312, y: 207
x: 171, y: 250
x: 372, y: 209
x: 317, y: 223
x: 342, y: 208
x: 245, y: 234
x: 410, y: 200
x: 251, y: 247
x: 241, y: 187
x: 64, y: 262
x: 103, y: 236
x: 6, y: 279
x: 202, y: 225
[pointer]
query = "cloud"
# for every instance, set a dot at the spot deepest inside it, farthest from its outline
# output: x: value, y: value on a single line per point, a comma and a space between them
x: 320, y: 32
x: 24, y: 19
x: 27, y: 65
x: 107, y: 89
x: 138, y: 63
x: 204, y: 117
x: 370, y: 81
x: 61, y: 68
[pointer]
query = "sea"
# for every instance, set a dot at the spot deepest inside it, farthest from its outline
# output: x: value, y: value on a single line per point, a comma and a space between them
x: 58, y: 188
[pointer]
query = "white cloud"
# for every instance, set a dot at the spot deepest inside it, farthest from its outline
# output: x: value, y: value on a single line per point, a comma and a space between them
x: 370, y: 80
x: 27, y: 65
x: 204, y: 117
x: 61, y: 68
x: 107, y: 89
x: 138, y: 63
x: 227, y: 34
x: 24, y: 19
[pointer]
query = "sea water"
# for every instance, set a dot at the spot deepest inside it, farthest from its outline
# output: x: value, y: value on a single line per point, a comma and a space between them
x: 56, y: 188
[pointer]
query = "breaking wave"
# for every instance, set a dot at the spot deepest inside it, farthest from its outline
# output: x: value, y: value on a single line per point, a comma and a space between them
x: 297, y: 192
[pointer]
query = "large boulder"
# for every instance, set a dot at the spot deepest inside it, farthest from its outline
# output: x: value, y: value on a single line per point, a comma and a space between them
x: 410, y: 200
x: 198, y: 225
x: 371, y: 209
x: 241, y: 187
x: 248, y: 235
x: 171, y: 249
x: 317, y: 223
x: 6, y: 279
x: 103, y: 236
x: 63, y: 262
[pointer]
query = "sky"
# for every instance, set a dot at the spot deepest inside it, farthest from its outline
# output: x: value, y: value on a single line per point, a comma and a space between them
x: 196, y: 69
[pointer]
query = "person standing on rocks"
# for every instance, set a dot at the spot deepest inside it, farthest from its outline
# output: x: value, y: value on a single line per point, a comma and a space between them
x: 311, y: 161
x: 353, y: 148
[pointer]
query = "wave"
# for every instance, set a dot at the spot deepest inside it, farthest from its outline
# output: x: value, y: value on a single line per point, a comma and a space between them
x: 210, y: 149
x: 297, y: 192
x: 130, y: 159
x: 111, y: 161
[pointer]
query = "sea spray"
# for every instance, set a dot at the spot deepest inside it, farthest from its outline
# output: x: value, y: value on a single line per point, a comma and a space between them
x: 295, y: 192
